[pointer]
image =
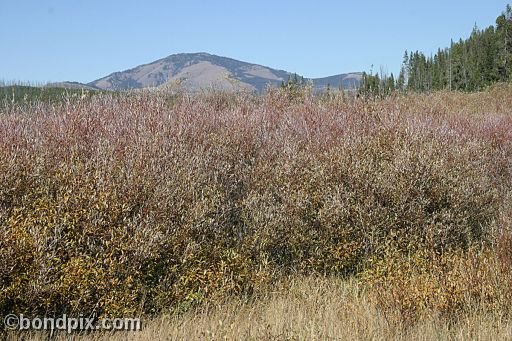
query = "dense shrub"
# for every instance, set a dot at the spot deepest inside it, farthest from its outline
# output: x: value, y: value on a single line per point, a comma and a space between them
x: 135, y: 204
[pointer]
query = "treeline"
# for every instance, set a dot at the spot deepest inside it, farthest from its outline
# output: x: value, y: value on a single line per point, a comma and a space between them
x: 472, y: 64
x: 29, y: 94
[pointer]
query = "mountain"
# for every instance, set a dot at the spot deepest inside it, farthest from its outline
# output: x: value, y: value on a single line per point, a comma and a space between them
x: 195, y: 71
x: 344, y: 81
x: 70, y: 85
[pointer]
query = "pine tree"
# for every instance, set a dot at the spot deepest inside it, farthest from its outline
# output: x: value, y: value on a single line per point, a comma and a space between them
x: 504, y: 35
x: 470, y: 65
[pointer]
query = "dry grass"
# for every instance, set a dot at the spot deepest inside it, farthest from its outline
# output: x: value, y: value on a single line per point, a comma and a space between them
x: 305, y: 308
x: 150, y: 205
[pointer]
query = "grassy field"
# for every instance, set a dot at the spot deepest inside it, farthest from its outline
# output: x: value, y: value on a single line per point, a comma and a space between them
x: 281, y: 216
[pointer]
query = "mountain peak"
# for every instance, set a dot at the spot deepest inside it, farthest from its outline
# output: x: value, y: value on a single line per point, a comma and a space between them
x: 195, y: 71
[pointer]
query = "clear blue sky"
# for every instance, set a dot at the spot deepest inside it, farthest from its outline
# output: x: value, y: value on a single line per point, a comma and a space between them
x: 82, y: 40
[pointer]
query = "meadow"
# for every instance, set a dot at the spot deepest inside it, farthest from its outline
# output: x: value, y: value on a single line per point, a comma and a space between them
x: 289, y: 215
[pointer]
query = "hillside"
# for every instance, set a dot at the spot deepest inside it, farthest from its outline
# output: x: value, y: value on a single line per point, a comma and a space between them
x: 195, y: 71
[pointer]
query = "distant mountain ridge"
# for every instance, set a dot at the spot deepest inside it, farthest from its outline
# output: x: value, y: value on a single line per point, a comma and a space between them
x: 195, y: 71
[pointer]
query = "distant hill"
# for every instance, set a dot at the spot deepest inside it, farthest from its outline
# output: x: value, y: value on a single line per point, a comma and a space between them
x: 195, y: 71
x: 344, y: 81
x: 70, y: 85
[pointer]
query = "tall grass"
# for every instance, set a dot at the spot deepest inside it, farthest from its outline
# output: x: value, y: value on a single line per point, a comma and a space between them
x: 142, y: 204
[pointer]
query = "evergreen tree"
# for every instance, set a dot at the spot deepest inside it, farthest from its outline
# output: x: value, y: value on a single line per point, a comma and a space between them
x: 504, y: 38
x: 469, y: 65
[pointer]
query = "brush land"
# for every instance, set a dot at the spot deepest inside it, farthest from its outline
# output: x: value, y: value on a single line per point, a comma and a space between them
x: 288, y: 215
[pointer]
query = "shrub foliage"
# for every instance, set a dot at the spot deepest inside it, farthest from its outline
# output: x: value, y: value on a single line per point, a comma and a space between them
x: 140, y: 203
